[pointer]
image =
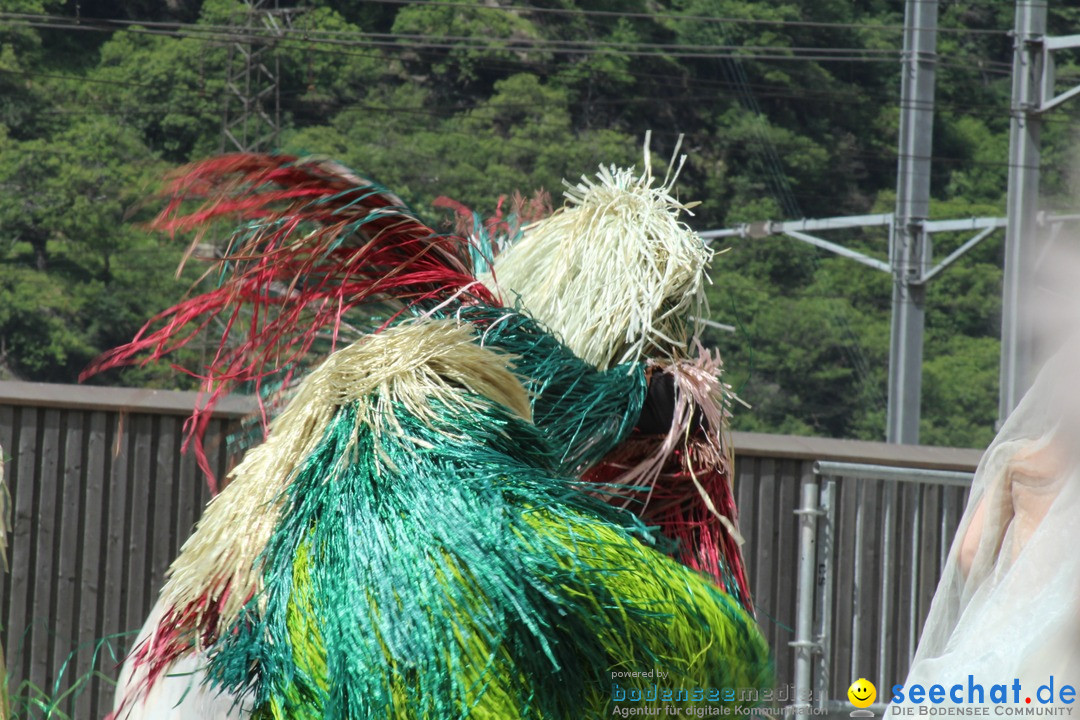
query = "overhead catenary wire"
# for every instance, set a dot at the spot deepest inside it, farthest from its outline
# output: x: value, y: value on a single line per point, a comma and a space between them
x: 83, y: 108
x: 765, y: 90
x: 886, y: 156
x: 310, y: 43
x: 489, y: 106
x: 397, y: 37
x: 617, y: 14
x: 762, y: 90
x: 284, y: 36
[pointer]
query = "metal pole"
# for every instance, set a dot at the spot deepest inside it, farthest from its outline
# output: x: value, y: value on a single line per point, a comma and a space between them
x: 910, y: 249
x: 858, y: 571
x: 826, y: 583
x: 886, y: 642
x: 804, y: 642
x: 1022, y: 203
x: 917, y: 572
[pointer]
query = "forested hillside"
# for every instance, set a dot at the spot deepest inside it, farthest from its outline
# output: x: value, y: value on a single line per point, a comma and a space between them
x: 789, y: 108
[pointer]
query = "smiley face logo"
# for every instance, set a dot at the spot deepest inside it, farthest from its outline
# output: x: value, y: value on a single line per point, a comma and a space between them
x: 862, y: 693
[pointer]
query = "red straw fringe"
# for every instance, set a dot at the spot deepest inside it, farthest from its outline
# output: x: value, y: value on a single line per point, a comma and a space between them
x: 675, y: 506
x: 321, y: 242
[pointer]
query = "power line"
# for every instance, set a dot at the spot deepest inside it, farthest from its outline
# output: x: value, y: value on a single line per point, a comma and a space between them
x: 724, y: 20
x: 882, y: 155
x: 765, y: 90
x: 776, y: 53
x: 727, y: 20
x: 762, y: 90
x: 785, y: 195
x: 966, y: 108
x: 514, y: 42
x: 447, y: 112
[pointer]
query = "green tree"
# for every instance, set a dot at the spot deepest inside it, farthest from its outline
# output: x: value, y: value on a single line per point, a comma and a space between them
x: 478, y: 100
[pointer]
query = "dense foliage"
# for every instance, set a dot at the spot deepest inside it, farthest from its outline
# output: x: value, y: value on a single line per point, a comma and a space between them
x: 789, y: 110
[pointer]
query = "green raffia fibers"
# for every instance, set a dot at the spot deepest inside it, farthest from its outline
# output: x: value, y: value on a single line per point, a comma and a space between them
x: 445, y: 570
x: 584, y: 412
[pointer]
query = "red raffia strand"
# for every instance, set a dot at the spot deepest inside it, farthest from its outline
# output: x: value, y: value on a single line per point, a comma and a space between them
x: 523, y: 211
x: 686, y: 473
x: 674, y: 505
x: 178, y: 632
x: 320, y: 241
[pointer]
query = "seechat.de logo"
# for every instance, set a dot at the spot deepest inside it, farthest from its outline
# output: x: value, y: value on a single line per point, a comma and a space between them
x: 1052, y: 697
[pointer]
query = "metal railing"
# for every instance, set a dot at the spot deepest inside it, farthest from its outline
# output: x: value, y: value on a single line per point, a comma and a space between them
x: 873, y: 540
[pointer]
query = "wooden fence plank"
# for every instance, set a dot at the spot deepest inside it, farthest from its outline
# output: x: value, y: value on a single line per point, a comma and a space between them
x: 7, y: 429
x: 190, y: 490
x: 785, y: 561
x: 22, y: 568
x: 46, y: 495
x: 870, y: 588
x: 745, y: 497
x: 71, y: 516
x: 141, y: 495
x: 929, y: 542
x: 113, y: 592
x: 166, y: 462
x: 906, y: 576
x: 8, y: 443
x: 844, y: 592
x: 765, y: 547
x: 94, y: 541
x: 889, y: 534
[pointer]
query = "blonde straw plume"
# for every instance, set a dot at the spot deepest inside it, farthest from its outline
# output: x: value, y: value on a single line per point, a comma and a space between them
x: 615, y: 272
x: 408, y: 366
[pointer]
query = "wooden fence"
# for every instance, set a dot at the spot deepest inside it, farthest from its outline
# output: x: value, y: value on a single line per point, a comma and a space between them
x: 103, y: 497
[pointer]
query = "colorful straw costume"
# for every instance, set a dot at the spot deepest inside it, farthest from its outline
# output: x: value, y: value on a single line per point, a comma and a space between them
x: 414, y: 539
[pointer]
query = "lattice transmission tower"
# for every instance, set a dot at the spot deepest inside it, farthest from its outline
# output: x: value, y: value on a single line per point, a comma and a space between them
x: 251, y: 117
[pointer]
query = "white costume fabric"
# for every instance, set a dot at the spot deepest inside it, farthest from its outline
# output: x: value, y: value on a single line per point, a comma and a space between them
x: 179, y: 695
x: 1008, y: 603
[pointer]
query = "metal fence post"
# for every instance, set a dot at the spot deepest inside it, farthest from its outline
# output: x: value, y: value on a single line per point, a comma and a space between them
x: 886, y: 639
x: 825, y: 586
x: 804, y: 643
